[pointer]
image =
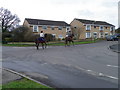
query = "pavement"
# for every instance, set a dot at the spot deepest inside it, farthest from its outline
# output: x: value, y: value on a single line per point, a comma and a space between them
x: 8, y: 76
x: 115, y: 48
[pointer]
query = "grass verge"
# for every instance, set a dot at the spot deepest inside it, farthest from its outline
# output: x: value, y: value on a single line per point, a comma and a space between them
x: 49, y: 44
x: 24, y: 83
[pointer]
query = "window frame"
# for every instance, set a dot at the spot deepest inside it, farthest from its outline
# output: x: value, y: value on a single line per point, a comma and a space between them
x: 111, y: 28
x: 88, y: 28
x: 60, y: 36
x: 88, y: 35
x: 106, y: 33
x: 44, y: 27
x: 52, y: 28
x: 60, y: 28
x: 34, y: 28
x: 100, y: 28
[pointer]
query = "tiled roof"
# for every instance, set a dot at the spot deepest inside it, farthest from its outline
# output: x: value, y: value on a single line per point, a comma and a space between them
x: 46, y: 22
x: 94, y: 22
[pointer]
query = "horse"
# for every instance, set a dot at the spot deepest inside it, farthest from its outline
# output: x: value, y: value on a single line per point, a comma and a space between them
x: 69, y: 40
x: 43, y: 43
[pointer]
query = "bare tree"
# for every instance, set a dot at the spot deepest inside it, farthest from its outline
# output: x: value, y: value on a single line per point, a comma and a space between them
x: 7, y: 20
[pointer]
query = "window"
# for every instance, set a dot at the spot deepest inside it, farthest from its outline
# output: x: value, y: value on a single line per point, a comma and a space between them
x: 35, y: 28
x: 75, y: 27
x: 44, y: 27
x: 60, y: 36
x: 106, y: 34
x: 95, y: 34
x: 101, y: 34
x: 88, y: 35
x: 52, y: 28
x: 111, y: 28
x: 106, y: 27
x: 53, y: 35
x: 95, y: 27
x: 68, y: 29
x: 59, y: 28
x: 101, y: 28
x: 88, y: 27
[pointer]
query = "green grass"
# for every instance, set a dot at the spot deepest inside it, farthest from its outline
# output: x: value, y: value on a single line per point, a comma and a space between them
x: 22, y: 44
x: 19, y: 45
x: 24, y: 83
x: 0, y: 87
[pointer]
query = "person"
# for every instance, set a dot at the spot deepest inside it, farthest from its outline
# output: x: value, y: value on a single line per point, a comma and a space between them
x: 41, y: 36
x: 69, y: 34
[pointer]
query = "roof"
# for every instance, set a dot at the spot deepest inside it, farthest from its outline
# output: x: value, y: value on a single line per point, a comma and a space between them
x: 94, y: 22
x: 46, y: 22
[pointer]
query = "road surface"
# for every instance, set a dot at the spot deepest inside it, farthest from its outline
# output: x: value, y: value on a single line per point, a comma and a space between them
x: 80, y: 66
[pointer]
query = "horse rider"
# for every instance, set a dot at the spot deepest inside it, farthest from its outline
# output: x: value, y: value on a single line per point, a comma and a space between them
x: 69, y: 34
x: 42, y: 36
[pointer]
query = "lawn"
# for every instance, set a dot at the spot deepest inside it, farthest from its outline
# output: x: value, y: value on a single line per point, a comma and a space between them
x: 23, y: 44
x: 24, y: 83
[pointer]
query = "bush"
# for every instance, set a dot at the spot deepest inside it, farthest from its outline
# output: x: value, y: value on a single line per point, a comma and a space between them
x: 63, y: 39
x: 8, y: 39
x: 49, y: 37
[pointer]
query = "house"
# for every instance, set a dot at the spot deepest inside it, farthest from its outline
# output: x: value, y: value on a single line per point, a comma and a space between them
x: 57, y: 28
x: 84, y: 29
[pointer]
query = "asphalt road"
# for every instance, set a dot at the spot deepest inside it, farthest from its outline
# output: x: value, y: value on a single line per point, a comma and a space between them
x: 80, y: 66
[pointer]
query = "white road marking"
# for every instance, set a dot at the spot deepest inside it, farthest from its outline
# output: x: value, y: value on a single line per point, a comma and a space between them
x: 112, y: 66
x: 111, y: 77
x: 97, y: 73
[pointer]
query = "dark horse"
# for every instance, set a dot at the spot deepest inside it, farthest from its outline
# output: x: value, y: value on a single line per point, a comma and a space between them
x: 69, y: 40
x: 43, y: 43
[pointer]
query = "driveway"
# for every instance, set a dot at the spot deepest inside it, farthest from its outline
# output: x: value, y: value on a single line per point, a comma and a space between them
x: 66, y: 67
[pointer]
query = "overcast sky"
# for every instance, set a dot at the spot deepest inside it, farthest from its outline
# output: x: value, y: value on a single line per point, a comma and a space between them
x: 64, y: 10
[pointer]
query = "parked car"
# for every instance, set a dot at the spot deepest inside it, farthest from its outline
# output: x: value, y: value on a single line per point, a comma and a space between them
x: 114, y: 37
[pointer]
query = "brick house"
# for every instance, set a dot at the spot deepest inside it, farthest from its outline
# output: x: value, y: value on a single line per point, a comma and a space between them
x: 57, y: 28
x: 84, y: 29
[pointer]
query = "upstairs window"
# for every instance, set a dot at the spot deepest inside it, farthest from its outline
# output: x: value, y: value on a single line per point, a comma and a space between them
x: 88, y: 27
x: 95, y: 26
x: 106, y: 27
x: 52, y: 28
x: 101, y: 28
x: 111, y: 28
x: 59, y: 28
x: 44, y: 27
x: 68, y: 29
x: 35, y: 28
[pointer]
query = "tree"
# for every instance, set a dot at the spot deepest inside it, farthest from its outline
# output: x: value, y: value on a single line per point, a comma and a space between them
x: 8, y: 20
x: 118, y: 30
x: 22, y: 34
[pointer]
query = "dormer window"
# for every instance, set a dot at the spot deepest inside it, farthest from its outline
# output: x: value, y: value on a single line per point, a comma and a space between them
x: 35, y: 28
x: 88, y: 27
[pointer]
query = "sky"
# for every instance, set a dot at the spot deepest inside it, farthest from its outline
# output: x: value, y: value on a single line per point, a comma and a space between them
x: 64, y: 10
